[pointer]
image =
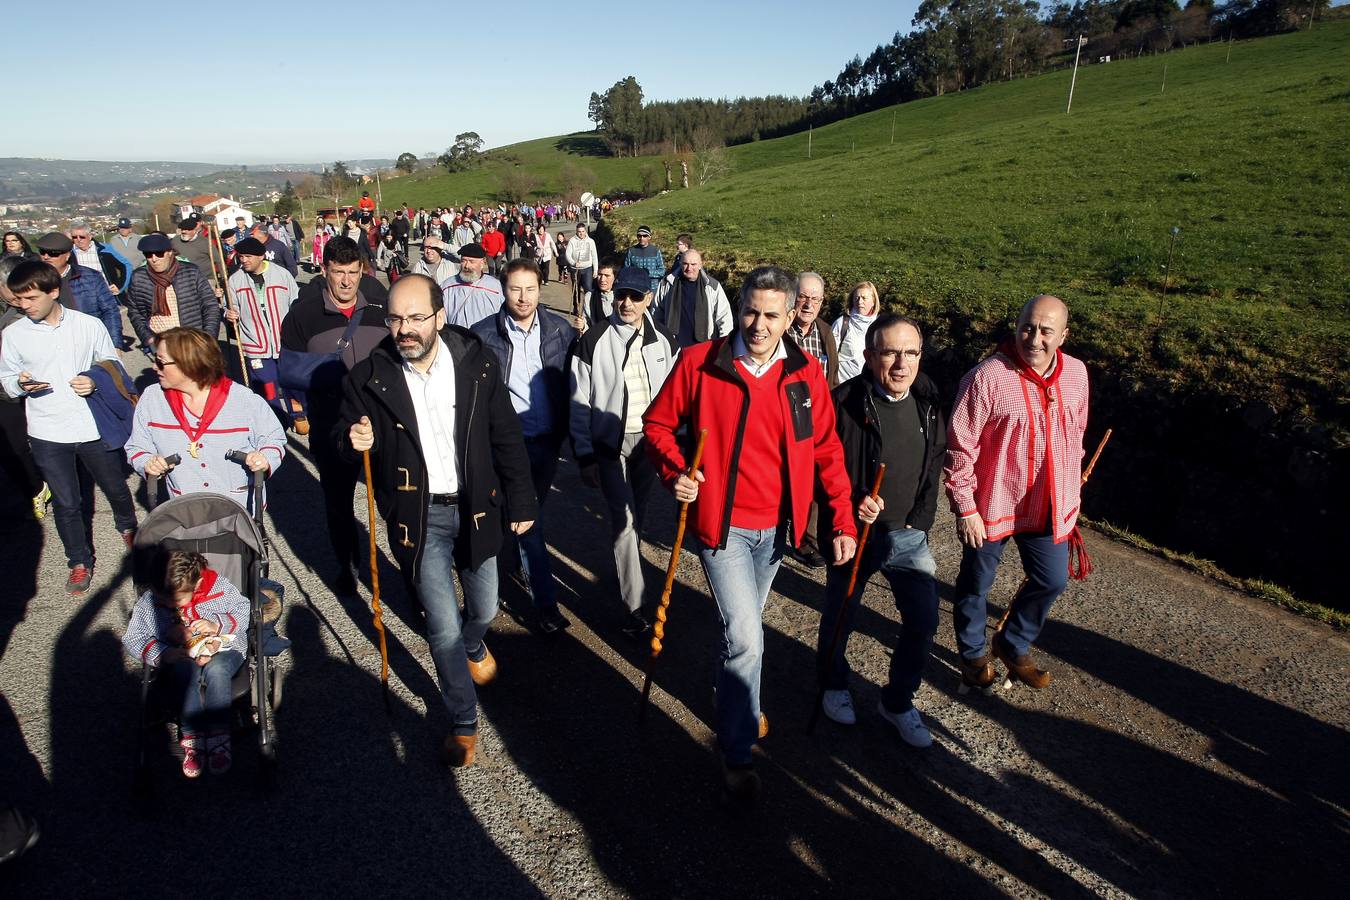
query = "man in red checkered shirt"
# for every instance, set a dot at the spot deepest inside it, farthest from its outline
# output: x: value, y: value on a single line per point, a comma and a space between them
x: 1014, y: 454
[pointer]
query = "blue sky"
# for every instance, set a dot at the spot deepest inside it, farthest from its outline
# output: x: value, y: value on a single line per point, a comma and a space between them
x: 268, y: 89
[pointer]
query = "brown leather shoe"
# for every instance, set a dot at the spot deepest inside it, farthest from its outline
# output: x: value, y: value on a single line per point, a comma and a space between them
x: 976, y: 673
x: 763, y: 726
x: 483, y: 671
x: 300, y: 425
x: 459, y: 750
x: 1021, y: 668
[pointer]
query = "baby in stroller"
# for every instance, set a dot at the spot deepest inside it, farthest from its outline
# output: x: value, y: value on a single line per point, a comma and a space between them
x: 192, y: 624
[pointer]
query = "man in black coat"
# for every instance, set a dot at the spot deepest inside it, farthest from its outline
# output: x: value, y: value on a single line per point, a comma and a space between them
x: 450, y: 471
x: 890, y: 413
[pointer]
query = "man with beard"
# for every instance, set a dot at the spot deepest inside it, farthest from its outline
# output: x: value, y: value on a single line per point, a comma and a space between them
x: 431, y: 408
x: 471, y: 296
x: 317, y: 323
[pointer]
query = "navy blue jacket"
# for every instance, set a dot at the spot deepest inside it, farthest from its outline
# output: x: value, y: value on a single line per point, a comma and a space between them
x: 113, y: 403
x: 89, y: 294
x: 555, y: 340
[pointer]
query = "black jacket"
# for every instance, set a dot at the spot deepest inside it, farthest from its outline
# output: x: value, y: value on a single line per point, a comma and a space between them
x: 197, y: 303
x: 856, y: 422
x: 494, y: 471
x: 555, y: 340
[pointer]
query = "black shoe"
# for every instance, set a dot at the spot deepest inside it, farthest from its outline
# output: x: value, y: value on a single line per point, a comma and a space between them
x: 637, y: 625
x: 551, y: 621
x: 809, y: 558
x: 740, y: 784
x: 18, y: 834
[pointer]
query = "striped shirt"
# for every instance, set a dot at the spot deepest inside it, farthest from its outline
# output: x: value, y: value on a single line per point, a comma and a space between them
x: 639, y: 387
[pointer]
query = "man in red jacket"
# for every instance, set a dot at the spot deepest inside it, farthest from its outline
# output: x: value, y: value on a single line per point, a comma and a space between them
x: 771, y: 432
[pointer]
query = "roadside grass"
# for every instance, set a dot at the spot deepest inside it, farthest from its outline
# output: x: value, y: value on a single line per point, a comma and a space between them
x: 1255, y: 587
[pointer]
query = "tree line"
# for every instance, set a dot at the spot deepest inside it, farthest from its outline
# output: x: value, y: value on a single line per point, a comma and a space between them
x: 954, y: 45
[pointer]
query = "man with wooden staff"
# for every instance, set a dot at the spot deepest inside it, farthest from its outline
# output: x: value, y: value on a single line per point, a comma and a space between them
x: 771, y: 434
x: 449, y: 465
x: 889, y: 414
x: 1014, y: 454
x: 263, y: 292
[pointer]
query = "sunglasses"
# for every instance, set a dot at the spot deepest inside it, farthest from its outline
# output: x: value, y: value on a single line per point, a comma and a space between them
x: 158, y: 253
x: 162, y: 364
x: 52, y: 253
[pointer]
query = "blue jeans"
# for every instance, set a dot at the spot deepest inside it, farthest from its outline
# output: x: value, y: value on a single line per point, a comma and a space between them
x: 543, y: 453
x: 452, y: 635
x: 740, y: 577
x: 205, y: 691
x: 1047, y: 568
x: 903, y: 557
x: 586, y: 277
x: 59, y: 464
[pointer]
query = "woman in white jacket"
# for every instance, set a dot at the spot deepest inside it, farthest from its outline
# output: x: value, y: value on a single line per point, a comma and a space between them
x: 545, y: 249
x: 850, y: 329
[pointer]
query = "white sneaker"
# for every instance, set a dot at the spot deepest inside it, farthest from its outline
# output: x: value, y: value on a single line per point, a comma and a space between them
x: 910, y: 725
x: 838, y: 707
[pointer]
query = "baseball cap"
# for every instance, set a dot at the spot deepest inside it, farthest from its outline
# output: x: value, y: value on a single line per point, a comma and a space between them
x: 633, y: 280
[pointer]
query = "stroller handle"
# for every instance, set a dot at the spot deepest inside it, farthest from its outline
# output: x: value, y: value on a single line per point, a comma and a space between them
x: 239, y: 456
x: 152, y: 482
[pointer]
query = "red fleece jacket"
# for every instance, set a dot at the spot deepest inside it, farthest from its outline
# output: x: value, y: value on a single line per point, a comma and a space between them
x: 705, y: 390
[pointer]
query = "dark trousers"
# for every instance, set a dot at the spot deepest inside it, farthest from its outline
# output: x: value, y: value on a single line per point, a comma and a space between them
x: 59, y: 464
x: 902, y: 555
x: 16, y: 459
x: 337, y: 478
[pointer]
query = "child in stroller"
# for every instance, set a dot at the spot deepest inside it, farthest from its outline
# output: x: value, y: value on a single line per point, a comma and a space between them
x: 191, y: 623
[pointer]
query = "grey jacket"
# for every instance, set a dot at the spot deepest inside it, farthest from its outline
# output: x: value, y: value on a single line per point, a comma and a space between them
x: 712, y: 318
x: 599, y: 405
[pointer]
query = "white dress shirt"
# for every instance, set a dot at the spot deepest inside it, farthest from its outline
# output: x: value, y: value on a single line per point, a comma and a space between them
x: 433, y: 399
x: 742, y: 355
x: 55, y: 354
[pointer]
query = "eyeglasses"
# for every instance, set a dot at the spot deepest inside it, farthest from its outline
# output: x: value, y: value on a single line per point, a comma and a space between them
x: 889, y: 356
x: 158, y: 253
x: 397, y: 321
x: 808, y: 298
x: 162, y: 364
x: 53, y: 253
x: 79, y: 237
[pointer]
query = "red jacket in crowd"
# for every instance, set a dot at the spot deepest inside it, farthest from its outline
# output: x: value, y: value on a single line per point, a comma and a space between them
x: 706, y: 390
x: 494, y: 243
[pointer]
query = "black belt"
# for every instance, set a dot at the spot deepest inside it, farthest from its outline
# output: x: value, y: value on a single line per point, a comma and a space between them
x: 443, y: 499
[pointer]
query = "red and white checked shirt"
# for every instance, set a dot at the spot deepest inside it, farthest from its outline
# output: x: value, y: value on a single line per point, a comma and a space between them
x: 1015, y: 449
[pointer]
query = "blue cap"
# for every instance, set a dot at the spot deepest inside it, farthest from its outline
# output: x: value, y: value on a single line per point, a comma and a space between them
x: 633, y: 280
x: 155, y: 242
x: 123, y: 223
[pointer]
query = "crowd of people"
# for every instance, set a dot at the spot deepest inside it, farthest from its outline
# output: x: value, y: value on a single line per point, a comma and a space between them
x: 464, y: 392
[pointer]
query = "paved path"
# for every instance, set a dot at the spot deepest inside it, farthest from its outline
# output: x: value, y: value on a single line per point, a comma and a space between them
x: 1194, y: 743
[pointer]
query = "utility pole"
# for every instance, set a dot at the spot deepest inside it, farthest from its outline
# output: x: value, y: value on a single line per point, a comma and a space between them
x: 808, y: 141
x: 1074, y: 80
x: 892, y: 126
x: 1164, y: 84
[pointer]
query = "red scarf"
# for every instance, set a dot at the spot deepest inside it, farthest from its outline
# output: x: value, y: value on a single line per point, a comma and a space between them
x: 220, y: 391
x: 1045, y: 382
x: 161, y: 281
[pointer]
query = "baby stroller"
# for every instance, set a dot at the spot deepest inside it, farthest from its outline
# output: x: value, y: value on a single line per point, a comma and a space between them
x: 234, y: 543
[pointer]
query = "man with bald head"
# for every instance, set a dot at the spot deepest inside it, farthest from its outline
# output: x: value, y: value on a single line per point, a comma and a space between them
x: 692, y: 305
x: 1014, y: 454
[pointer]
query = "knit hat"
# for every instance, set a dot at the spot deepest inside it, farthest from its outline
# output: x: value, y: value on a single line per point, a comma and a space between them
x: 644, y: 231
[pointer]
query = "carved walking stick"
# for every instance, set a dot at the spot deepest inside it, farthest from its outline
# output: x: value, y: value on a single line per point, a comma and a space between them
x: 659, y: 626
x: 843, y: 608
x: 375, y: 582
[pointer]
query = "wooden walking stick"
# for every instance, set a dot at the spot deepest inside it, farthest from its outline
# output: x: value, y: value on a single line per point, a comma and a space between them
x: 375, y: 582
x: 213, y: 247
x: 843, y: 608
x: 1076, y: 547
x: 659, y: 626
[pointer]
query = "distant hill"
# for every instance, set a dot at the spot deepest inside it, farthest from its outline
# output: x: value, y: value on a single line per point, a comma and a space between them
x: 32, y: 179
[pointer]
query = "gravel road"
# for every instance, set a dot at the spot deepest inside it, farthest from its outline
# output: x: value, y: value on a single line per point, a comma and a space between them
x: 1193, y: 743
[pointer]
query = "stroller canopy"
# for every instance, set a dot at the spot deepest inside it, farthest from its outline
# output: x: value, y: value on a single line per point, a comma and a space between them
x: 210, y: 524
